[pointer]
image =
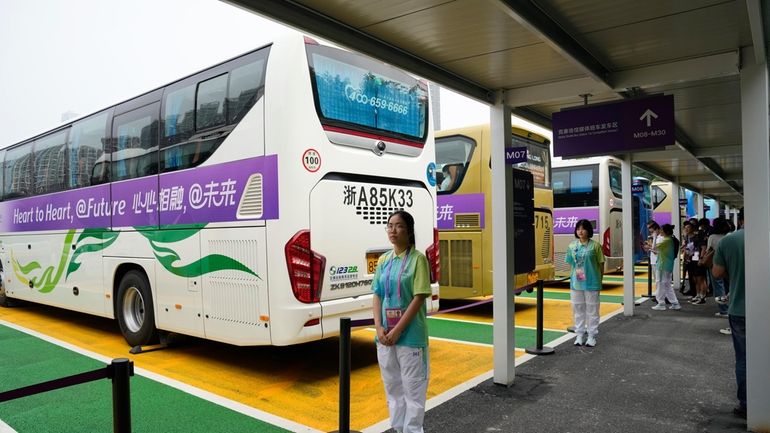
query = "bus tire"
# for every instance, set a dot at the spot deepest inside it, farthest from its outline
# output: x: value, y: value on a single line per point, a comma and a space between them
x: 134, y: 310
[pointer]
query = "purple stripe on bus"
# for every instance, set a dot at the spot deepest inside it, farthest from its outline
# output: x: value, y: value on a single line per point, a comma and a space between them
x: 662, y: 218
x: 564, y: 219
x: 201, y: 195
x: 450, y: 205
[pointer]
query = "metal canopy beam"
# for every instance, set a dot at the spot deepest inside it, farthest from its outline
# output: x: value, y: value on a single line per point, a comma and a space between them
x: 699, y: 68
x: 709, y: 177
x: 718, y: 151
x: 306, y: 19
x: 552, y: 92
x: 754, y: 9
x: 531, y: 17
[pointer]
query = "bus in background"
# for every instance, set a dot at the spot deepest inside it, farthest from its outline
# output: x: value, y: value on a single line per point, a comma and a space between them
x: 464, y: 179
x: 245, y: 203
x: 588, y: 188
x: 710, y: 208
x: 662, y: 202
x: 642, y: 201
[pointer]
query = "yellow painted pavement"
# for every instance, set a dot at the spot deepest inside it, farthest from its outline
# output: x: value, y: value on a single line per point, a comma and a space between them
x: 299, y: 382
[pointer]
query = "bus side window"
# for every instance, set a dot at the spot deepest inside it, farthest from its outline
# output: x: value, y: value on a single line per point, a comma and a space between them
x: 86, y: 143
x: 18, y: 171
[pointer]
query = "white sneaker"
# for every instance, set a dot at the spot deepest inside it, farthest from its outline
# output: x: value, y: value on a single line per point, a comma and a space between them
x: 591, y: 342
x: 660, y: 307
x: 726, y: 331
x: 675, y: 307
x: 579, y: 339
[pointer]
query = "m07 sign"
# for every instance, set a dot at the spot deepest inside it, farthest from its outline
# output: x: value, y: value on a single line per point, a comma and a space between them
x: 515, y: 155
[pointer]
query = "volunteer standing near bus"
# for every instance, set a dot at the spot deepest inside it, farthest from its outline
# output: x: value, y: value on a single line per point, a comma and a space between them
x: 585, y: 257
x: 401, y: 285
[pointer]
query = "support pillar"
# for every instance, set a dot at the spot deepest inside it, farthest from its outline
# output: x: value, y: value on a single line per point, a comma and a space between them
x: 628, y: 237
x: 675, y: 220
x: 503, y: 278
x: 756, y: 196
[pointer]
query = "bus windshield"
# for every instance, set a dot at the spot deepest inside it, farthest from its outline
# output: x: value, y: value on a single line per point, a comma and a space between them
x: 453, y: 154
x: 355, y: 92
x: 616, y: 181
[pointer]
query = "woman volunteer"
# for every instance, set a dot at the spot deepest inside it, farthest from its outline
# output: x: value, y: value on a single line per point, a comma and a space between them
x: 585, y: 257
x: 401, y: 284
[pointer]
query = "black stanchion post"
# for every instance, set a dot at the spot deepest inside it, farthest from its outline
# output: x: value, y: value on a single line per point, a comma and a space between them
x: 344, y: 426
x: 122, y: 370
x: 649, y: 279
x: 539, y: 349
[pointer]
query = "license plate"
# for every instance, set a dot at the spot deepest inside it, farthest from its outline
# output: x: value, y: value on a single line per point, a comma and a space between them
x: 371, y: 261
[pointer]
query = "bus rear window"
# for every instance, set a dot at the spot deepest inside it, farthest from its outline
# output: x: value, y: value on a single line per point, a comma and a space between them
x: 538, y: 161
x: 355, y: 92
x: 576, y: 186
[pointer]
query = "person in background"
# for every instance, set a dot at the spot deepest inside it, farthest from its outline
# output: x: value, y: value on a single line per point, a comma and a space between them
x: 401, y: 284
x: 692, y: 246
x: 585, y: 257
x: 729, y: 260
x: 446, y: 183
x: 720, y: 229
x: 665, y: 287
x: 650, y: 246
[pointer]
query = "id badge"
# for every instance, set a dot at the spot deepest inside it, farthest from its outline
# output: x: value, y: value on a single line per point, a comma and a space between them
x: 392, y: 316
x: 580, y: 274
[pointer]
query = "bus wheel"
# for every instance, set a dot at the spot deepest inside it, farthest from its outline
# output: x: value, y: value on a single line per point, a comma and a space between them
x: 134, y: 310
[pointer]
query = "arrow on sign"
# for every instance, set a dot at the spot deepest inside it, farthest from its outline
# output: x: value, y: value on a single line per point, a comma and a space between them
x: 649, y: 114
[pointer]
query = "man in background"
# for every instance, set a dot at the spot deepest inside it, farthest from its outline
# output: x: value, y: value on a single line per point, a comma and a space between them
x: 729, y: 260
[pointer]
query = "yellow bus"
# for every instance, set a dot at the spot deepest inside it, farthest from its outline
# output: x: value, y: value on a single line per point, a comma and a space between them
x: 464, y: 183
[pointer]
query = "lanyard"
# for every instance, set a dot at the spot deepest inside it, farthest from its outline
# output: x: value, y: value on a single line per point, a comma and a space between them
x: 400, y: 272
x: 583, y: 252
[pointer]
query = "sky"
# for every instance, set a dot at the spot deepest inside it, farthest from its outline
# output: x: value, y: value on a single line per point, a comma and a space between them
x: 79, y: 56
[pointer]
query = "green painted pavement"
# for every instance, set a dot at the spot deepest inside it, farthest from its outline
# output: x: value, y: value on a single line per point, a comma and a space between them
x: 620, y: 279
x: 87, y: 407
x: 612, y: 299
x: 482, y: 332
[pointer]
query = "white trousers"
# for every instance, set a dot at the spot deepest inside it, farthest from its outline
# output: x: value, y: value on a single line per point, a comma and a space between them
x: 405, y: 376
x: 665, y: 290
x: 585, y: 311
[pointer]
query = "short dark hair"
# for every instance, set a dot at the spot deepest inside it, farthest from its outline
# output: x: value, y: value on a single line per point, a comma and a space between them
x: 668, y: 229
x: 586, y: 225
x: 653, y: 225
x: 408, y: 219
x: 721, y: 226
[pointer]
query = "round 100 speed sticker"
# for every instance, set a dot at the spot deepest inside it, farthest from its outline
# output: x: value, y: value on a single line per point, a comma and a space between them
x: 311, y: 160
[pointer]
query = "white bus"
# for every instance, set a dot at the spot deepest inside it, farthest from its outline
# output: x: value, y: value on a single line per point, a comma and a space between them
x: 588, y: 188
x: 245, y: 203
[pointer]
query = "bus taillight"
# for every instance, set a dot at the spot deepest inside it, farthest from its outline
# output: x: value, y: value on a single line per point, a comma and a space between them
x: 433, y: 258
x: 606, y: 242
x: 306, y: 268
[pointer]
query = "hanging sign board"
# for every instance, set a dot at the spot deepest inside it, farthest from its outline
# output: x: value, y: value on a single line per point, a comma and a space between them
x: 615, y: 128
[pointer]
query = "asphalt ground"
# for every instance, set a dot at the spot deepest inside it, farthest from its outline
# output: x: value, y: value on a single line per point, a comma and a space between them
x: 657, y: 371
x: 205, y: 386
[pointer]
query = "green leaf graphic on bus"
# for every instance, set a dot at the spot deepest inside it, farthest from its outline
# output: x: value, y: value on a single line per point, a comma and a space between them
x: 95, y: 240
x: 168, y: 257
x: 103, y: 239
x: 49, y: 278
